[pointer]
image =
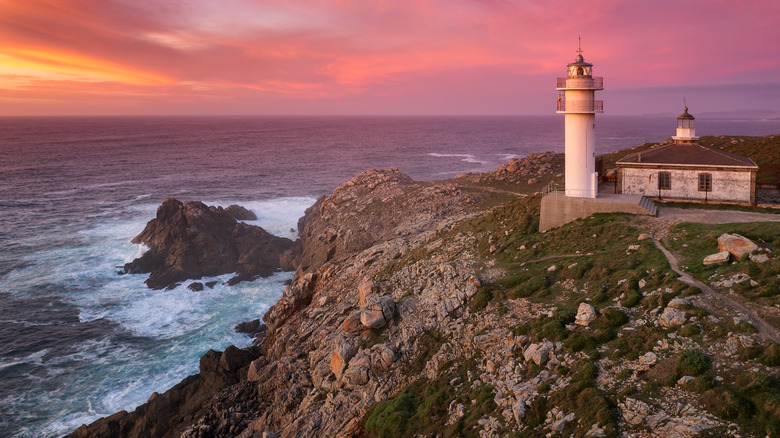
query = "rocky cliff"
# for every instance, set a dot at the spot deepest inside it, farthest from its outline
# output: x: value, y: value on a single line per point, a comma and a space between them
x: 190, y: 240
x: 437, y: 309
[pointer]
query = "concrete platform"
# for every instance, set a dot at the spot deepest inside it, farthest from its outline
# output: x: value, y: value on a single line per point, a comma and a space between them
x: 559, y: 209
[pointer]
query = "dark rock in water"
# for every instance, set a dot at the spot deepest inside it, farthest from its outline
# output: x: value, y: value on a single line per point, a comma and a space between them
x: 249, y: 327
x: 169, y: 413
x: 240, y: 213
x: 211, y: 284
x: 195, y: 287
x: 191, y: 240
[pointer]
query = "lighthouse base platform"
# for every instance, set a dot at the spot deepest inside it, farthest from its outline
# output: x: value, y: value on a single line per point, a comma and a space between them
x: 559, y: 209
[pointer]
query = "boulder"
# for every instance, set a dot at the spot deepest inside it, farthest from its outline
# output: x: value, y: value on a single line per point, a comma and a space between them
x: 343, y: 351
x: 718, y: 258
x: 352, y: 323
x: 672, y: 317
x: 256, y: 368
x: 585, y: 314
x: 378, y: 313
x: 234, y: 358
x: 355, y: 376
x: 249, y: 327
x: 518, y: 411
x: 735, y: 244
x: 759, y: 258
x: 190, y: 240
x: 364, y: 291
x: 240, y: 213
x: 679, y: 303
x: 196, y: 286
x: 539, y: 353
x: 648, y: 358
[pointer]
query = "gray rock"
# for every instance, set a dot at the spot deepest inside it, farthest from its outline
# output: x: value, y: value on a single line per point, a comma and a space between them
x: 585, y: 314
x: 648, y: 358
x: 759, y: 258
x: 672, y: 317
x: 717, y: 258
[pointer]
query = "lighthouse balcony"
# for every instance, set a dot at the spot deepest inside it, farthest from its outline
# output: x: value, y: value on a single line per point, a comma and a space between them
x: 580, y: 83
x: 582, y: 107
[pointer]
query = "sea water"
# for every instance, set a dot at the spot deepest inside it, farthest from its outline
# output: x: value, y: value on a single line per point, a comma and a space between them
x: 79, y: 341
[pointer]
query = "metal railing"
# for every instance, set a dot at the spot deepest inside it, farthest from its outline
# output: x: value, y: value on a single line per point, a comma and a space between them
x: 549, y: 188
x: 580, y: 83
x: 597, y: 106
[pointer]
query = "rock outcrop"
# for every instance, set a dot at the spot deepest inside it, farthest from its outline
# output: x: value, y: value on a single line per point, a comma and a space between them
x: 403, y: 305
x: 735, y: 244
x: 190, y: 240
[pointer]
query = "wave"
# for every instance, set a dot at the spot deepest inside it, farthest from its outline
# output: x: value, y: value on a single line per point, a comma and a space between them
x: 467, y: 158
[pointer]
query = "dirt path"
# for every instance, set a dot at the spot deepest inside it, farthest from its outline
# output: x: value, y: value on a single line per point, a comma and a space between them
x: 766, y: 329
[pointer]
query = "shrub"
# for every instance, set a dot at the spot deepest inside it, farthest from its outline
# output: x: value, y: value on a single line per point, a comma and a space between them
x: 614, y: 317
x: 727, y: 404
x: 692, y: 363
x: 553, y: 330
x: 700, y: 384
x: 689, y: 330
x: 530, y: 287
x: 481, y: 299
x: 391, y: 417
x: 771, y: 355
x: 579, y: 342
x: 631, y: 298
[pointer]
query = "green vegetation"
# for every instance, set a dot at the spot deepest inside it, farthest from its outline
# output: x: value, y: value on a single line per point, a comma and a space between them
x: 692, y: 363
x: 764, y: 151
x: 422, y: 407
x: 693, y: 242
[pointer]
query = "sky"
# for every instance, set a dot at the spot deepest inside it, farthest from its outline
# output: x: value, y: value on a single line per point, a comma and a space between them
x: 395, y: 57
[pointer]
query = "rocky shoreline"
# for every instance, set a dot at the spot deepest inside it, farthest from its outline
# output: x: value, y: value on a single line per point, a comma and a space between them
x: 437, y: 309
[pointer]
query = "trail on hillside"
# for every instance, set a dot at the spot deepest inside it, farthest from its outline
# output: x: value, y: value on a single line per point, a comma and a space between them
x: 764, y: 328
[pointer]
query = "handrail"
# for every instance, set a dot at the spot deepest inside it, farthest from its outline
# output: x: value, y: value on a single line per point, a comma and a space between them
x: 581, y: 83
x: 596, y: 106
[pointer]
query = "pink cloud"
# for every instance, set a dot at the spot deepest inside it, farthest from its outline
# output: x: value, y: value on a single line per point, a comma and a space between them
x: 350, y: 56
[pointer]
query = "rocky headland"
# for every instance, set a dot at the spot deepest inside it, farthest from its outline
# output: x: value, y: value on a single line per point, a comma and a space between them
x: 190, y: 240
x: 438, y: 309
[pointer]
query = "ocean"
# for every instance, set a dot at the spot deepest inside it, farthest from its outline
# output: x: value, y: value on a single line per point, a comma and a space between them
x: 78, y: 341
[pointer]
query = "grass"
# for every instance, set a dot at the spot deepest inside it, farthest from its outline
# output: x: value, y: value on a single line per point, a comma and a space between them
x: 422, y: 407
x: 693, y: 242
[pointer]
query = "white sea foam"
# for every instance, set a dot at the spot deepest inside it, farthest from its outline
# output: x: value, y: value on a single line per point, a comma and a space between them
x: 466, y: 158
x: 34, y: 358
x: 277, y: 216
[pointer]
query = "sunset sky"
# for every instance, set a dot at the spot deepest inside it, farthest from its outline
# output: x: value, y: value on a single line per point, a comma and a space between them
x: 122, y: 57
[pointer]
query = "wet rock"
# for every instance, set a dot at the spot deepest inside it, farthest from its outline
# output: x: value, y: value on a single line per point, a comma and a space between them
x: 190, y: 240
x: 195, y: 287
x: 240, y: 213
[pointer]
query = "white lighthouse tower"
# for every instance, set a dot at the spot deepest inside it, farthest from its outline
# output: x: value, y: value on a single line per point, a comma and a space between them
x: 576, y: 101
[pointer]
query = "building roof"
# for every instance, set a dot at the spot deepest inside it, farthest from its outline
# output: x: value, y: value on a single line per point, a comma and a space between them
x: 687, y: 154
x: 685, y: 115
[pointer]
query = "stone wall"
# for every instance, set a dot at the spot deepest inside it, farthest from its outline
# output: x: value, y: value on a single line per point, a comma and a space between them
x: 727, y: 185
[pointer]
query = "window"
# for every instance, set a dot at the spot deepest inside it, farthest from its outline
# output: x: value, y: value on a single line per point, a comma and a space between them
x: 664, y: 181
x: 705, y: 182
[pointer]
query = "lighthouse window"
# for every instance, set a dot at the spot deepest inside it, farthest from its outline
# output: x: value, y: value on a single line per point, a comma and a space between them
x: 705, y: 182
x: 664, y: 181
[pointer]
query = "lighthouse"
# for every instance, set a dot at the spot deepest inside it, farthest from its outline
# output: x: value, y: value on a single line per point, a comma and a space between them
x: 576, y: 100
